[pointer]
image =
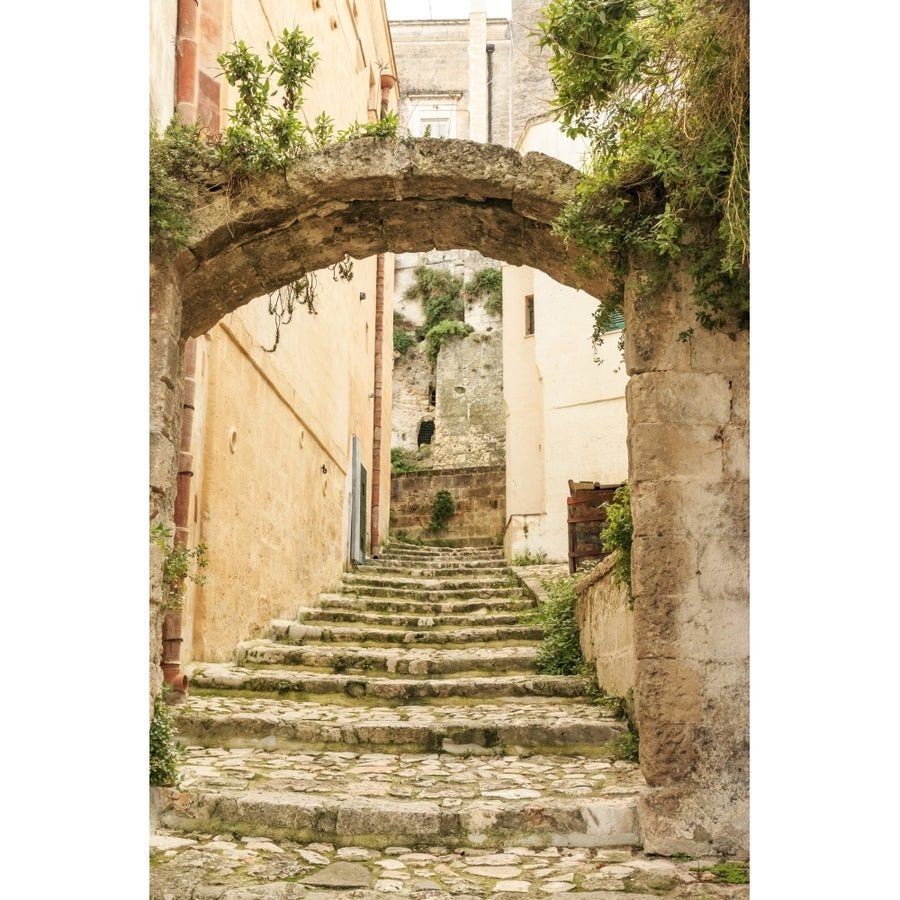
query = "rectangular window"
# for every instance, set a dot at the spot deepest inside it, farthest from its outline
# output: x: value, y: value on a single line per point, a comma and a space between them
x: 434, y: 127
x: 616, y: 323
x: 529, y: 314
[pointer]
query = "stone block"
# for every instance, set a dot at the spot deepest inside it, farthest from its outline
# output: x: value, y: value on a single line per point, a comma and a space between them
x: 660, y: 451
x: 691, y: 398
x: 714, y: 351
x: 657, y: 625
x: 736, y: 452
x: 716, y: 629
x: 667, y: 751
x: 661, y: 566
x: 668, y: 691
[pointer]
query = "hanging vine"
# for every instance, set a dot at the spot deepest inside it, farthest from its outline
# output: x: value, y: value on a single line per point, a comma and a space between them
x: 286, y: 299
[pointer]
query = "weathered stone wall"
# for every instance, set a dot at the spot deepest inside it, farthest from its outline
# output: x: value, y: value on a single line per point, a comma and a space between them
x: 478, y: 495
x: 470, y: 418
x: 166, y: 390
x: 688, y: 435
x: 606, y: 629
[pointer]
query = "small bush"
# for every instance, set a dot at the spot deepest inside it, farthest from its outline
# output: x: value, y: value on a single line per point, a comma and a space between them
x: 165, y: 752
x: 488, y: 281
x: 560, y: 650
x: 403, y: 340
x: 403, y: 461
x: 441, y: 334
x: 442, y: 510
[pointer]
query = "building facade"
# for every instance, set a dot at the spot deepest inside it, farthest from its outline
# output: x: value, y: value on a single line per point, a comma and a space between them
x: 282, y: 473
x: 563, y: 407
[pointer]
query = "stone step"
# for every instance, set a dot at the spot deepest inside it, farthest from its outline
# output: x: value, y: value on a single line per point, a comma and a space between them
x: 436, y: 568
x: 415, y: 620
x: 364, y: 688
x: 564, y: 728
x: 402, y: 579
x: 432, y: 594
x: 473, y: 606
x: 442, y: 554
x: 418, y: 661
x: 377, y: 800
x: 296, y: 632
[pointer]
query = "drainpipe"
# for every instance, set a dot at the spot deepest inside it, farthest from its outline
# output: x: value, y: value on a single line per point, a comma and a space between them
x: 388, y: 82
x: 377, y: 404
x: 186, y: 62
x: 490, y: 92
x: 172, y: 623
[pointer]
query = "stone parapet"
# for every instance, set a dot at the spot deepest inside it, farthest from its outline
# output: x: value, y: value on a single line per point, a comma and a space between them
x: 606, y: 629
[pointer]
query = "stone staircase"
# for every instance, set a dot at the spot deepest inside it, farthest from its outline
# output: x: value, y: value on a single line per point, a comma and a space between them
x: 405, y: 710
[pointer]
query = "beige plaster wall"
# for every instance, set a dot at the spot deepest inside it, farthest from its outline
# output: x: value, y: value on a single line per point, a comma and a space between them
x: 277, y: 528
x: 163, y: 24
x: 606, y: 629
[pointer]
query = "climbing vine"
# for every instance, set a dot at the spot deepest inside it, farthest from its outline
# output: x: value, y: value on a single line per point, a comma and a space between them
x: 660, y: 89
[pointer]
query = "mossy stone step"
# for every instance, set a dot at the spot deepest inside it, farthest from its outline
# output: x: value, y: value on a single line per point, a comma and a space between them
x: 224, y: 677
x: 394, y: 661
x: 471, y: 606
x: 411, y: 620
x: 304, y: 632
x: 567, y: 728
x: 381, y: 800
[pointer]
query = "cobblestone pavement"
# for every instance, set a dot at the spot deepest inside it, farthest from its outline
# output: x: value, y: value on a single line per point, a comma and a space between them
x: 224, y: 867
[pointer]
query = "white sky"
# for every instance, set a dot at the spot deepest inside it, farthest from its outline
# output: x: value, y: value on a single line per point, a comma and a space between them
x: 443, y: 9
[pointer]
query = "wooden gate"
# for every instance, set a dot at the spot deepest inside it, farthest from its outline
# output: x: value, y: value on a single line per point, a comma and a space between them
x: 586, y: 518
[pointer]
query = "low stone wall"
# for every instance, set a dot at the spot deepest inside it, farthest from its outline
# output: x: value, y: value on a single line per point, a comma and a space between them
x: 479, y: 497
x: 606, y: 627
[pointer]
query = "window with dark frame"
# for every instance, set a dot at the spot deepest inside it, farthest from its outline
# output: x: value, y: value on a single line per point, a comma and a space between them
x: 529, y: 314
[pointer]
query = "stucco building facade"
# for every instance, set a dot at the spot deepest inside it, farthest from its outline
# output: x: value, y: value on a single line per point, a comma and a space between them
x: 282, y: 471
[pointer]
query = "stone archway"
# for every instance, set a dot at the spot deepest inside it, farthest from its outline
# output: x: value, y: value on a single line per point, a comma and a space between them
x: 688, y: 423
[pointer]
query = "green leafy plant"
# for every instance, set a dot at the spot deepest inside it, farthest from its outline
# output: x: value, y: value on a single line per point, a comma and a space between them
x: 385, y: 127
x: 441, y: 334
x: 403, y: 340
x: 441, y: 295
x: 660, y: 89
x: 165, y: 752
x: 488, y: 281
x: 180, y: 564
x: 403, y: 461
x: 538, y: 558
x: 261, y: 136
x: 442, y: 510
x: 627, y: 746
x: 616, y: 538
x: 179, y: 160
x: 560, y: 650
